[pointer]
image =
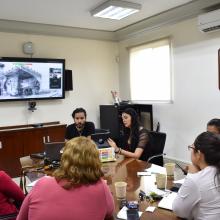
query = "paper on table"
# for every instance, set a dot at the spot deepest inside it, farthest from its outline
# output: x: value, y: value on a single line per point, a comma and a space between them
x: 34, y: 182
x: 179, y: 181
x: 156, y: 169
x: 122, y: 214
x: 143, y: 173
x: 167, y: 201
x: 150, y: 209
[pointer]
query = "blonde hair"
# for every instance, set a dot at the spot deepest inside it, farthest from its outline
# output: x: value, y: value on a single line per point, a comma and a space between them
x: 80, y: 163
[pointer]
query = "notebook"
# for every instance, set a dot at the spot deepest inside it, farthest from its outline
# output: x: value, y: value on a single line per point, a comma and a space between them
x: 107, y: 154
x: 52, y: 150
x: 167, y: 201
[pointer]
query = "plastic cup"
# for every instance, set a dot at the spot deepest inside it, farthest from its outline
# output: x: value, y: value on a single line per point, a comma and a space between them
x: 161, y: 181
x: 170, y: 167
x: 120, y: 190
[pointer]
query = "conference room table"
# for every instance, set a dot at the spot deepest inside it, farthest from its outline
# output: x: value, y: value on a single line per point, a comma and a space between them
x: 125, y: 169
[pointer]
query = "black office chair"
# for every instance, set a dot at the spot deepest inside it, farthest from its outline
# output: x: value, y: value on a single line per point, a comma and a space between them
x: 157, y: 143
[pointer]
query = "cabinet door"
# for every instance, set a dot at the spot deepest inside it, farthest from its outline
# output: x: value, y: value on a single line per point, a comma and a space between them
x: 56, y: 133
x: 11, y: 149
x: 34, y: 141
x: 110, y: 119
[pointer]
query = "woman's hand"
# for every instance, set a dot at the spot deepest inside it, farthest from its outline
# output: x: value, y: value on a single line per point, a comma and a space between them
x: 112, y: 143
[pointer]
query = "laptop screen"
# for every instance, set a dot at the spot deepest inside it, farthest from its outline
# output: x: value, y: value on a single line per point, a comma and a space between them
x: 101, y: 139
x: 52, y: 150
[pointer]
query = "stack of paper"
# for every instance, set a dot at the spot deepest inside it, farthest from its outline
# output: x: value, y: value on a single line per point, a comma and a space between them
x: 156, y: 169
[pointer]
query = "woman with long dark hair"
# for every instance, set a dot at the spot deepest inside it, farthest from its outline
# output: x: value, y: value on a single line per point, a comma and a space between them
x: 135, y: 137
x: 199, y: 196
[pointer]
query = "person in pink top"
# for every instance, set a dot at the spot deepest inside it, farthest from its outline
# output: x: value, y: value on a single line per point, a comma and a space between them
x: 75, y: 192
x: 11, y: 196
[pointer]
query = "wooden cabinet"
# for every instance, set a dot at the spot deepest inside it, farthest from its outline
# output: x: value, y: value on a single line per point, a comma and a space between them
x: 11, y: 150
x: 19, y: 142
x: 55, y: 133
x: 33, y: 141
x: 110, y: 117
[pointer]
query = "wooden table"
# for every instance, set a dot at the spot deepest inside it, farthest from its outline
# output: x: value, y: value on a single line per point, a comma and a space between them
x: 126, y: 170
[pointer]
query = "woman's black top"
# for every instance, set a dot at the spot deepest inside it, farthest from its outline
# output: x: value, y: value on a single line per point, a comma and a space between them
x: 143, y: 142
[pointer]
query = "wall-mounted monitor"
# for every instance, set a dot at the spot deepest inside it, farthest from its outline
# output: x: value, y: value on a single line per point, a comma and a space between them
x: 31, y: 78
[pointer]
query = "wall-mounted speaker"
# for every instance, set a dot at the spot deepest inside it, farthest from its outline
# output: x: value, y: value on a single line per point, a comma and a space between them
x: 68, y: 80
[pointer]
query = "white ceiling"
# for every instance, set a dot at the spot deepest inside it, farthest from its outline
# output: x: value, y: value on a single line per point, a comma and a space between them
x: 75, y: 13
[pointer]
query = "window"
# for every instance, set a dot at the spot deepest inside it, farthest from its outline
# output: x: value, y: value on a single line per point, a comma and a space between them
x: 150, y: 72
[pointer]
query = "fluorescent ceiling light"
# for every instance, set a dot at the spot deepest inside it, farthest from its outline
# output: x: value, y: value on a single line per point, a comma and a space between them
x: 115, y: 9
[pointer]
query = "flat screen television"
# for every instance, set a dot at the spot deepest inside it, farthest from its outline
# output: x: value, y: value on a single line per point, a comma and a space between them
x: 31, y: 78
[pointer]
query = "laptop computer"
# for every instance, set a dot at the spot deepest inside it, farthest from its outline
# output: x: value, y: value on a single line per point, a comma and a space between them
x: 52, y: 150
x: 101, y: 139
x: 106, y: 152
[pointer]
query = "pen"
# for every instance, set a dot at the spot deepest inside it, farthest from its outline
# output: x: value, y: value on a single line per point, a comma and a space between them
x: 143, y: 174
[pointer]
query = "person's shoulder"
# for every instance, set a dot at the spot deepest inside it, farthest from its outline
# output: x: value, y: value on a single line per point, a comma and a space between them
x: 143, y: 130
x: 194, y: 178
x: 102, y: 183
x: 3, y: 174
x: 46, y: 180
x: 71, y: 126
x: 89, y: 124
x: 207, y: 173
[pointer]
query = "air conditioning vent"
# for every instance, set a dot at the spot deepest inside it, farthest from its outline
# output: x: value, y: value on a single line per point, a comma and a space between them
x: 211, y: 28
x: 210, y: 21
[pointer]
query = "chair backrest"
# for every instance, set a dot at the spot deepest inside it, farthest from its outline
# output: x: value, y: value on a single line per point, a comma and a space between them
x: 28, y: 165
x: 157, y: 143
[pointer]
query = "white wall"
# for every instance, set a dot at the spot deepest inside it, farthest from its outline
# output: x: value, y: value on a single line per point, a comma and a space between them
x: 195, y: 77
x: 95, y: 74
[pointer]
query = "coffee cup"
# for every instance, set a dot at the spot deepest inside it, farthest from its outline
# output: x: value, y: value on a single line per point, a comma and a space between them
x: 161, y: 181
x: 120, y: 190
x: 170, y: 167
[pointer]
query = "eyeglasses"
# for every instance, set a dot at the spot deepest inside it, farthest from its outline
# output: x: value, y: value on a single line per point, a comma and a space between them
x: 191, y: 147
